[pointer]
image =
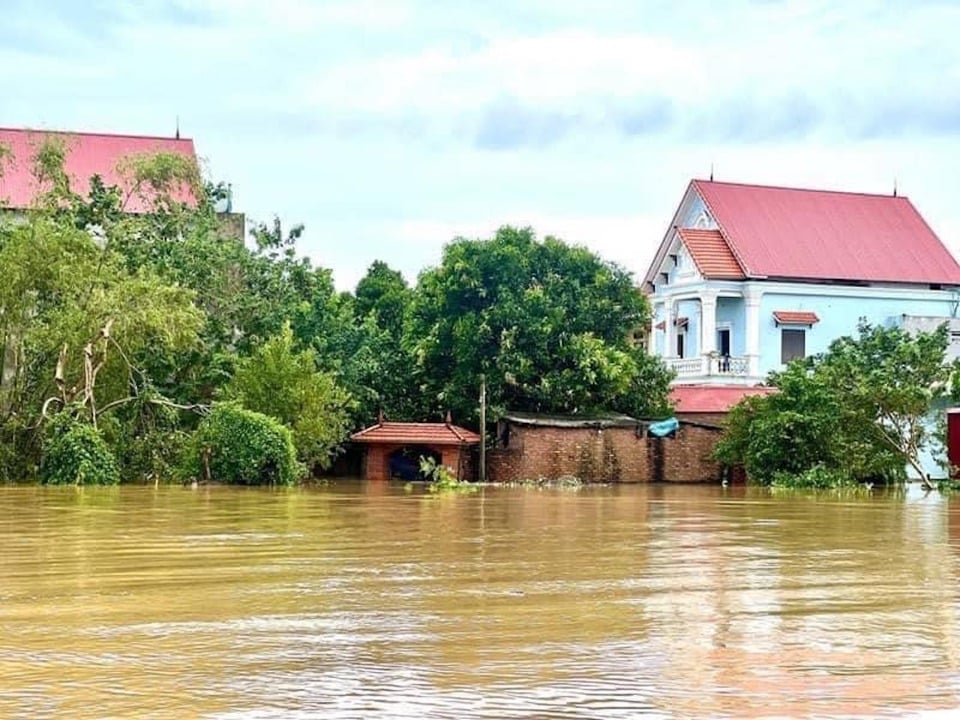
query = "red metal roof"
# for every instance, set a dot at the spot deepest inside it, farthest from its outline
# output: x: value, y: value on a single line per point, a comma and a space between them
x: 795, y: 317
x: 87, y: 154
x: 826, y: 235
x: 406, y: 433
x: 711, y: 398
x: 711, y: 254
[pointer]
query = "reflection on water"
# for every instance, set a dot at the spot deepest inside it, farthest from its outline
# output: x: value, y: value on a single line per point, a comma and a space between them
x: 365, y: 601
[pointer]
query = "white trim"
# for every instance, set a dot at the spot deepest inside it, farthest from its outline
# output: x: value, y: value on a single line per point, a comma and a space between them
x: 814, y: 290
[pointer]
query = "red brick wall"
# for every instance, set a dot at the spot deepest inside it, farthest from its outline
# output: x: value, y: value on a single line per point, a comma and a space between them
x: 376, y: 462
x: 605, y: 455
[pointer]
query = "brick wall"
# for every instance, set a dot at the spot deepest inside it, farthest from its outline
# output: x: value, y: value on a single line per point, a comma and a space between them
x: 613, y: 454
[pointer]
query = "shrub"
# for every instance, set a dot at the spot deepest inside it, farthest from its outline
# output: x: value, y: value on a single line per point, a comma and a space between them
x: 238, y: 446
x: 816, y: 477
x: 75, y: 453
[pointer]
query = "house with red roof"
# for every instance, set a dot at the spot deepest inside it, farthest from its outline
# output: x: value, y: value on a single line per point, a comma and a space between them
x: 749, y: 277
x: 88, y: 154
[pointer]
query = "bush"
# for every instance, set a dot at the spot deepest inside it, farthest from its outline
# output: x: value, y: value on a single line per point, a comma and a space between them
x: 238, y: 446
x: 816, y: 477
x: 75, y: 453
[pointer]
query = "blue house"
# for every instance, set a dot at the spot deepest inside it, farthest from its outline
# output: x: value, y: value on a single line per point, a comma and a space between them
x: 749, y: 277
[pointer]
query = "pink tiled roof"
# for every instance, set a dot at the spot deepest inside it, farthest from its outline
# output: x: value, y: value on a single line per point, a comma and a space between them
x: 795, y: 317
x: 825, y: 235
x: 711, y: 398
x: 408, y: 433
x: 87, y: 154
x: 711, y: 254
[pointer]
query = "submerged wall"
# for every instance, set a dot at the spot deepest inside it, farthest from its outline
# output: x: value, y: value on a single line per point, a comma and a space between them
x: 611, y: 454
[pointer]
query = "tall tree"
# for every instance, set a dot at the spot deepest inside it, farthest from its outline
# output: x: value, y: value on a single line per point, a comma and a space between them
x: 549, y: 324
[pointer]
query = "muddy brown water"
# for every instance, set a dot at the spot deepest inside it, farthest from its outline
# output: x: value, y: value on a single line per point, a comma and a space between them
x: 368, y: 601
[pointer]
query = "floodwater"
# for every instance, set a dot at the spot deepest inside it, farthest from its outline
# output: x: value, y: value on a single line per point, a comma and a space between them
x: 368, y: 601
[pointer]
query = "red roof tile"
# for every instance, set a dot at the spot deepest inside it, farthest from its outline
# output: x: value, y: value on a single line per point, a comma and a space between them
x: 711, y: 254
x: 825, y: 235
x: 404, y: 433
x: 795, y: 317
x: 711, y: 398
x: 87, y: 154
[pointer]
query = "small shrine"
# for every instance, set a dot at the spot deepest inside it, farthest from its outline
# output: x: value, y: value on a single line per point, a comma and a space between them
x: 394, y: 449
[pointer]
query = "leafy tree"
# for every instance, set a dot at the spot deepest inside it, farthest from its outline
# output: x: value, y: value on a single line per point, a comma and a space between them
x: 285, y: 384
x: 548, y: 324
x: 860, y: 411
x: 242, y: 447
x: 384, y: 294
x: 76, y: 454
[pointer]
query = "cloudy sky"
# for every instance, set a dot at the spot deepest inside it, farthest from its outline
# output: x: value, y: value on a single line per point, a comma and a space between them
x: 390, y: 126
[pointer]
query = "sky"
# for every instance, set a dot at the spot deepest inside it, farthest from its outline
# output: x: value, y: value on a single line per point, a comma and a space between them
x: 389, y: 127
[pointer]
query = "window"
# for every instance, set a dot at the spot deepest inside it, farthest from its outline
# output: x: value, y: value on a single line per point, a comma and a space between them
x: 792, y: 345
x: 723, y: 348
x: 681, y: 343
x: 723, y: 341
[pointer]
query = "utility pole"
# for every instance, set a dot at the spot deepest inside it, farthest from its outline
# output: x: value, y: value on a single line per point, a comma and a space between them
x: 483, y: 427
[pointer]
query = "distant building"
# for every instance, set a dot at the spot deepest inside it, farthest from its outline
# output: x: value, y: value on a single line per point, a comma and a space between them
x: 86, y: 155
x: 749, y: 277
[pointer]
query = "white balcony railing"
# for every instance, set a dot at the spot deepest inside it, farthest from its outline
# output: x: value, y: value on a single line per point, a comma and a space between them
x: 708, y: 366
x: 685, y: 367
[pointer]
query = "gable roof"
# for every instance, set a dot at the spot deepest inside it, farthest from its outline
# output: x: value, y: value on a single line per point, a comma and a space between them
x: 411, y: 433
x: 779, y: 232
x: 87, y: 154
x: 711, y: 254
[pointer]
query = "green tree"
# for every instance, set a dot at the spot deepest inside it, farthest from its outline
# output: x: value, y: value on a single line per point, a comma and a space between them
x: 860, y: 411
x: 549, y: 325
x: 384, y: 294
x: 285, y: 384
x: 238, y: 446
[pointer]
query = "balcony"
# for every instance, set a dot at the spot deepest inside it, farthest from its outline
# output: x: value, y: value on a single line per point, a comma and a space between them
x: 732, y: 369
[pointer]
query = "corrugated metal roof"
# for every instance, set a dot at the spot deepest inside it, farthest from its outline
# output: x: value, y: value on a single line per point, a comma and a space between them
x: 570, y: 421
x: 826, y: 235
x: 795, y: 317
x: 87, y: 154
x: 711, y: 398
x: 711, y: 254
x: 410, y: 433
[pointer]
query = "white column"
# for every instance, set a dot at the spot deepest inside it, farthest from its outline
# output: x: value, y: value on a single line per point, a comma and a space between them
x: 751, y: 301
x: 708, y: 329
x: 669, y: 343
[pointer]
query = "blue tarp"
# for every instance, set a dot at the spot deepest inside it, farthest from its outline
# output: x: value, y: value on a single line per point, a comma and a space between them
x: 663, y: 428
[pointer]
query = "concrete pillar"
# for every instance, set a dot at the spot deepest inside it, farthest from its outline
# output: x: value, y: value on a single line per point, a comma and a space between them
x: 751, y: 302
x: 708, y: 328
x: 669, y: 343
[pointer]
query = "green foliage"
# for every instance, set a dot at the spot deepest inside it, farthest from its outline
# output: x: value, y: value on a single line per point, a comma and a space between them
x: 856, y: 413
x: 285, y: 384
x: 6, y: 155
x: 74, y: 453
x: 548, y: 324
x: 384, y: 294
x: 159, y: 178
x: 441, y: 478
x: 237, y: 446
